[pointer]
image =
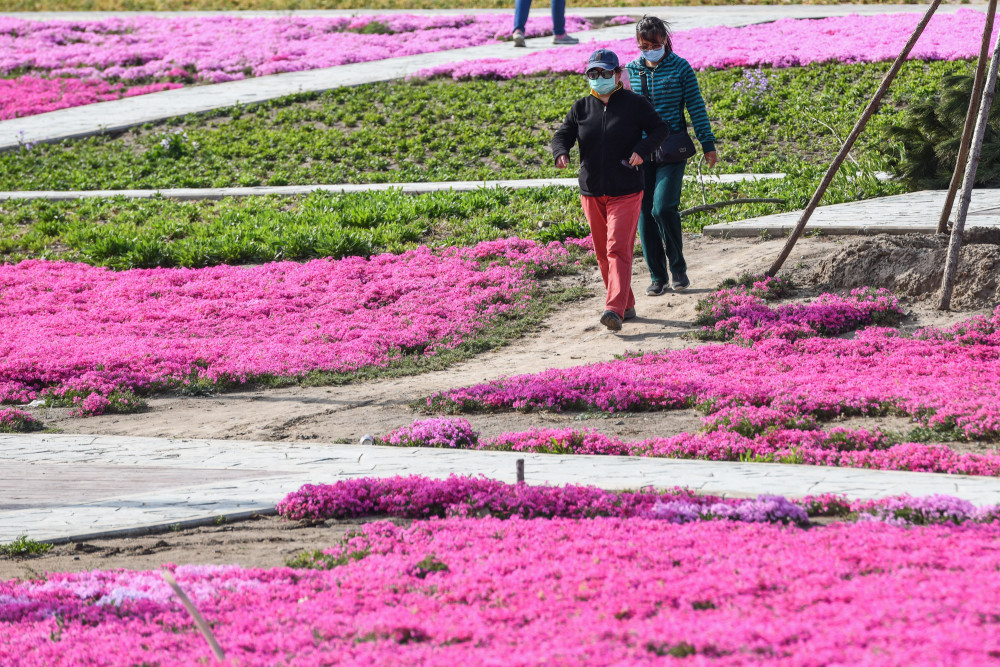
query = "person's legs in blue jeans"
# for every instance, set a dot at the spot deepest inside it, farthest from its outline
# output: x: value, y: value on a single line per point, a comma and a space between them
x: 521, y: 9
x: 558, y: 17
x: 660, y: 222
x: 649, y: 230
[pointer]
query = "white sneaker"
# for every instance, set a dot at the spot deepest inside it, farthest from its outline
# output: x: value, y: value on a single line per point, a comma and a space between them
x: 518, y: 38
x: 565, y: 40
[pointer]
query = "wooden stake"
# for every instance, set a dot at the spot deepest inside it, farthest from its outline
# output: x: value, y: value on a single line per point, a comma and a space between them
x: 199, y: 620
x: 955, y: 244
x: 851, y: 138
x: 970, y: 119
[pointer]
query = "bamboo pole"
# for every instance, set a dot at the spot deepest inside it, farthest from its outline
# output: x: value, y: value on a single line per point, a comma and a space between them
x: 199, y: 620
x: 851, y: 138
x: 955, y: 244
x: 970, y: 119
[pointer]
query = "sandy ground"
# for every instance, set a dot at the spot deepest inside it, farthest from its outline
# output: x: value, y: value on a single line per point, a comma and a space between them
x: 570, y: 336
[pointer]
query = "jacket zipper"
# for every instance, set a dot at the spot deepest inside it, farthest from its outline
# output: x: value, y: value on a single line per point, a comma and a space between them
x: 604, y: 131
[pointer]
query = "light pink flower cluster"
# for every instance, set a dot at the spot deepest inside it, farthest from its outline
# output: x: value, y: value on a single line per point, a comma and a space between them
x: 526, y: 592
x: 105, y: 59
x: 27, y: 95
x: 783, y: 43
x: 75, y: 328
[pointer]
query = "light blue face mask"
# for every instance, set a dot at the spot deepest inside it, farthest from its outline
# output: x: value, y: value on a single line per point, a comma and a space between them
x: 603, y: 86
x: 655, y: 55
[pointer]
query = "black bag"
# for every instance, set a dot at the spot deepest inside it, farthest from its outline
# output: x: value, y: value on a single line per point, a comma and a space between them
x: 678, y: 146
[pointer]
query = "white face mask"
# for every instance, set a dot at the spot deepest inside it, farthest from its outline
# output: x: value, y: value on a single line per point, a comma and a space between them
x: 654, y: 55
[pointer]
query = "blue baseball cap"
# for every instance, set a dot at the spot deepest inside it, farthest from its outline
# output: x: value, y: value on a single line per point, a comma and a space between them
x: 602, y: 59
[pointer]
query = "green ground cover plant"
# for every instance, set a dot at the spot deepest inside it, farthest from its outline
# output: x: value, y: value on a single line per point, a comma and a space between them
x: 180, y: 5
x: 442, y: 130
x: 124, y: 233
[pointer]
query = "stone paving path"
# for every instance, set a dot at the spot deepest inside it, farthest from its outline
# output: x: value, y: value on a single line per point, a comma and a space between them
x: 911, y: 213
x: 130, y: 112
x: 63, y: 487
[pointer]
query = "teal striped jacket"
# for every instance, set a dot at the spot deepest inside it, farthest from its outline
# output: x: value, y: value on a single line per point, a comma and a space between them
x: 674, y: 86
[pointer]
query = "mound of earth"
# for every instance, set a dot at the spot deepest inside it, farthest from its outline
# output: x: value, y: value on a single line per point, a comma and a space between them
x: 912, y: 266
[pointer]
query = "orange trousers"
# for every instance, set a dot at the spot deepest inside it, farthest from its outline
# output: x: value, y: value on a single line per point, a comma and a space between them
x: 613, y: 222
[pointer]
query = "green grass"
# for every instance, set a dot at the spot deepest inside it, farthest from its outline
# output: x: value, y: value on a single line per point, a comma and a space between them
x: 123, y: 233
x: 24, y: 547
x: 176, y: 5
x: 439, y: 130
x: 443, y: 130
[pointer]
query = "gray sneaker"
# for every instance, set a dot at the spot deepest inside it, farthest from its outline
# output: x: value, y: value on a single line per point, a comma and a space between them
x: 655, y: 289
x: 611, y: 320
x: 518, y: 37
x: 629, y: 314
x: 565, y: 39
x: 680, y: 283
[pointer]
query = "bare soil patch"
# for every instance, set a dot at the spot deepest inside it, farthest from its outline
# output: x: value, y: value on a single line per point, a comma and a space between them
x: 912, y: 265
x: 265, y: 541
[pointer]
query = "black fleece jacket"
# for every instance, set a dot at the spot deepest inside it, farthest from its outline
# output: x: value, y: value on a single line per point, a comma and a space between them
x: 609, y: 134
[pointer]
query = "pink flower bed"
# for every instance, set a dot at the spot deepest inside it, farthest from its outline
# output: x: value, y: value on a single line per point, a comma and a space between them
x: 27, y: 95
x: 105, y: 59
x: 946, y: 380
x: 527, y: 592
x: 72, y: 328
x: 418, y: 497
x: 783, y: 43
x: 17, y: 421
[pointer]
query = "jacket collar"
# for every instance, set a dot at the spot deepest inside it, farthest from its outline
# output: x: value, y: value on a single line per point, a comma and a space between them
x: 617, y: 88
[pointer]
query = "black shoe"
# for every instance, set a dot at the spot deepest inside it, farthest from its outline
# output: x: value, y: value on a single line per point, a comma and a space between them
x: 655, y: 289
x: 629, y: 314
x: 611, y: 320
x: 681, y: 283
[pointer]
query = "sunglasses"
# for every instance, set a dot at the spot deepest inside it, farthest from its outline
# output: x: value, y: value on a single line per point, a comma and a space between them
x: 595, y: 74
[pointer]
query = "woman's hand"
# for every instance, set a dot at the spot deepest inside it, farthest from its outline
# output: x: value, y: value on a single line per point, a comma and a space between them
x: 711, y: 158
x: 562, y: 162
x: 635, y: 160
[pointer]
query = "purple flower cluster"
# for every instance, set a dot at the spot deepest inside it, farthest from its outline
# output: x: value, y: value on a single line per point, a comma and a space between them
x: 782, y: 43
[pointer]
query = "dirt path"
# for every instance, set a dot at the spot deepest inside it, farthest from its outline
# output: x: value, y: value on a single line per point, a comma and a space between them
x: 570, y: 336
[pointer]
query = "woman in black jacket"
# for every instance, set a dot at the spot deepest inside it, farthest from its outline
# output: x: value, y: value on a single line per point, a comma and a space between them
x: 609, y: 124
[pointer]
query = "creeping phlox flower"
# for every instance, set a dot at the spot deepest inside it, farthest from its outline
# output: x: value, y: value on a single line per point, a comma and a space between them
x: 62, y: 64
x: 944, y: 379
x: 17, y: 421
x: 738, y: 313
x: 741, y: 589
x: 747, y: 434
x: 782, y: 43
x: 417, y: 497
x: 91, y: 334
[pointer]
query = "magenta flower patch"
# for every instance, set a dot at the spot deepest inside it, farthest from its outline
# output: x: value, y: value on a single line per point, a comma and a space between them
x: 76, y: 330
x: 60, y: 64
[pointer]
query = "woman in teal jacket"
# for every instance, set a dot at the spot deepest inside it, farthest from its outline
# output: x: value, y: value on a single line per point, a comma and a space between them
x: 672, y: 85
